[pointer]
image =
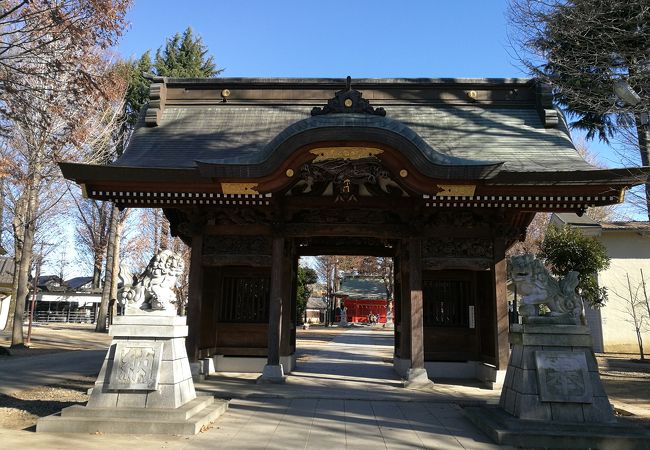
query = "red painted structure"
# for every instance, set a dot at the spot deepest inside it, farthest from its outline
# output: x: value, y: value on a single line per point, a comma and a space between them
x: 363, y: 297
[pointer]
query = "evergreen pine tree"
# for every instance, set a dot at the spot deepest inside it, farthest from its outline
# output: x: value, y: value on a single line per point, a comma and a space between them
x: 185, y: 56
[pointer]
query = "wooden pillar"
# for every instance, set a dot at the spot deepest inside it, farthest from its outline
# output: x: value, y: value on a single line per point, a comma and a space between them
x: 415, y: 284
x: 194, y: 299
x: 405, y: 303
x: 501, y: 325
x: 294, y: 299
x: 287, y: 320
x: 275, y: 306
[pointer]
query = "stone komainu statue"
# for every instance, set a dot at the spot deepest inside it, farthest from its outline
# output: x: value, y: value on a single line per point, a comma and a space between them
x: 536, y: 286
x: 154, y: 289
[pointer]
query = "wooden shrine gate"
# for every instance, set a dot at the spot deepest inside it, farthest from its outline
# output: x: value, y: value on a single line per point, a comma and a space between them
x: 444, y: 177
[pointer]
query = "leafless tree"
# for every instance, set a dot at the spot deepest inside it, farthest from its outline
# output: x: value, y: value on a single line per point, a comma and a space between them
x: 633, y: 309
x: 42, y: 40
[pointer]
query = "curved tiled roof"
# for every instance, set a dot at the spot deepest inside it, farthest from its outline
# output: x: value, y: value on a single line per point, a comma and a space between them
x: 196, y: 125
x: 468, y: 135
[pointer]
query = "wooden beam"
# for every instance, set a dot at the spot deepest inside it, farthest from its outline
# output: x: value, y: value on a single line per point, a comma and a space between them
x: 317, y: 250
x: 384, y: 231
x: 237, y: 260
x: 252, y: 229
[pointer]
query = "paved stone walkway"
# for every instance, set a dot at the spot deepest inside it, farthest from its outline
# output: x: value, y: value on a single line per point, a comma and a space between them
x: 355, y: 365
x: 344, y: 395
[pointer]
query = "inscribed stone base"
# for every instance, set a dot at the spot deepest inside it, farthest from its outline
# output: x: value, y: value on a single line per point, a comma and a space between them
x: 146, y: 371
x: 552, y: 376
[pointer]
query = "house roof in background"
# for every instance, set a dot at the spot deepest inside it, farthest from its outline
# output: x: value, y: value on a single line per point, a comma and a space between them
x: 626, y: 226
x: 596, y: 229
x: 78, y: 282
x: 576, y: 220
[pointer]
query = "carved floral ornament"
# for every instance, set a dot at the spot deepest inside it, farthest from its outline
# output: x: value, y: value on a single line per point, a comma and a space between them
x: 346, y: 179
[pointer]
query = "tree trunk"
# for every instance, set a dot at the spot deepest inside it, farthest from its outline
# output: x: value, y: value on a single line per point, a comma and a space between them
x: 164, y: 231
x: 18, y: 251
x: 19, y: 232
x: 2, y: 207
x: 102, y: 314
x: 156, y: 230
x: 97, y: 273
x: 22, y: 288
x: 116, y: 268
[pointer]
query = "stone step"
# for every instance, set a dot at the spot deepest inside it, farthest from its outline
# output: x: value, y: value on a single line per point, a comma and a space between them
x: 181, y: 413
x: 115, y: 421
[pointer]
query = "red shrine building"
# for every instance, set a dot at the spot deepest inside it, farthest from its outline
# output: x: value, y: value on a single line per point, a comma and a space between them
x: 365, y: 299
x: 443, y: 175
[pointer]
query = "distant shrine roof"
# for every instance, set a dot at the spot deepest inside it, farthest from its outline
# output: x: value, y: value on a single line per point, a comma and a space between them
x: 362, y: 287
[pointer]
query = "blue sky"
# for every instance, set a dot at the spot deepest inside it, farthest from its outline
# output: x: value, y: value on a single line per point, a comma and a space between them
x: 334, y: 38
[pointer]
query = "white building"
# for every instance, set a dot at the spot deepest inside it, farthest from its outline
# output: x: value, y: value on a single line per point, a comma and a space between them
x: 628, y: 246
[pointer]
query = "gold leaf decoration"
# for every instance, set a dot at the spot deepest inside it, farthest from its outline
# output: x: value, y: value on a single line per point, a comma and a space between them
x: 325, y: 153
x: 239, y: 188
x: 456, y: 190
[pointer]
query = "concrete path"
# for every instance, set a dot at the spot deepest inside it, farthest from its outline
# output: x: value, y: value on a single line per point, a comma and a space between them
x: 344, y: 395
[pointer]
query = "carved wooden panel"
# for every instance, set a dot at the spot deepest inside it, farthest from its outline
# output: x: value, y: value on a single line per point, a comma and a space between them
x: 346, y: 179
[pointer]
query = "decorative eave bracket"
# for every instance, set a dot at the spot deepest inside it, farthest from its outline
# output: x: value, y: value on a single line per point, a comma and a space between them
x: 348, y: 101
x: 157, y: 99
x: 544, y: 104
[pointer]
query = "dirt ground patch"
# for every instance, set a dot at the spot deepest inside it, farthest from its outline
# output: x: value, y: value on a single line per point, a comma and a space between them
x: 627, y: 382
x: 20, y: 411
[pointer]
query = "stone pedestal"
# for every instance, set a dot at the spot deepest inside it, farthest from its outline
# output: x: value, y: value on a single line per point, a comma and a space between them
x: 417, y: 379
x: 553, y: 376
x: 144, y: 386
x: 552, y: 396
x: 272, y: 374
